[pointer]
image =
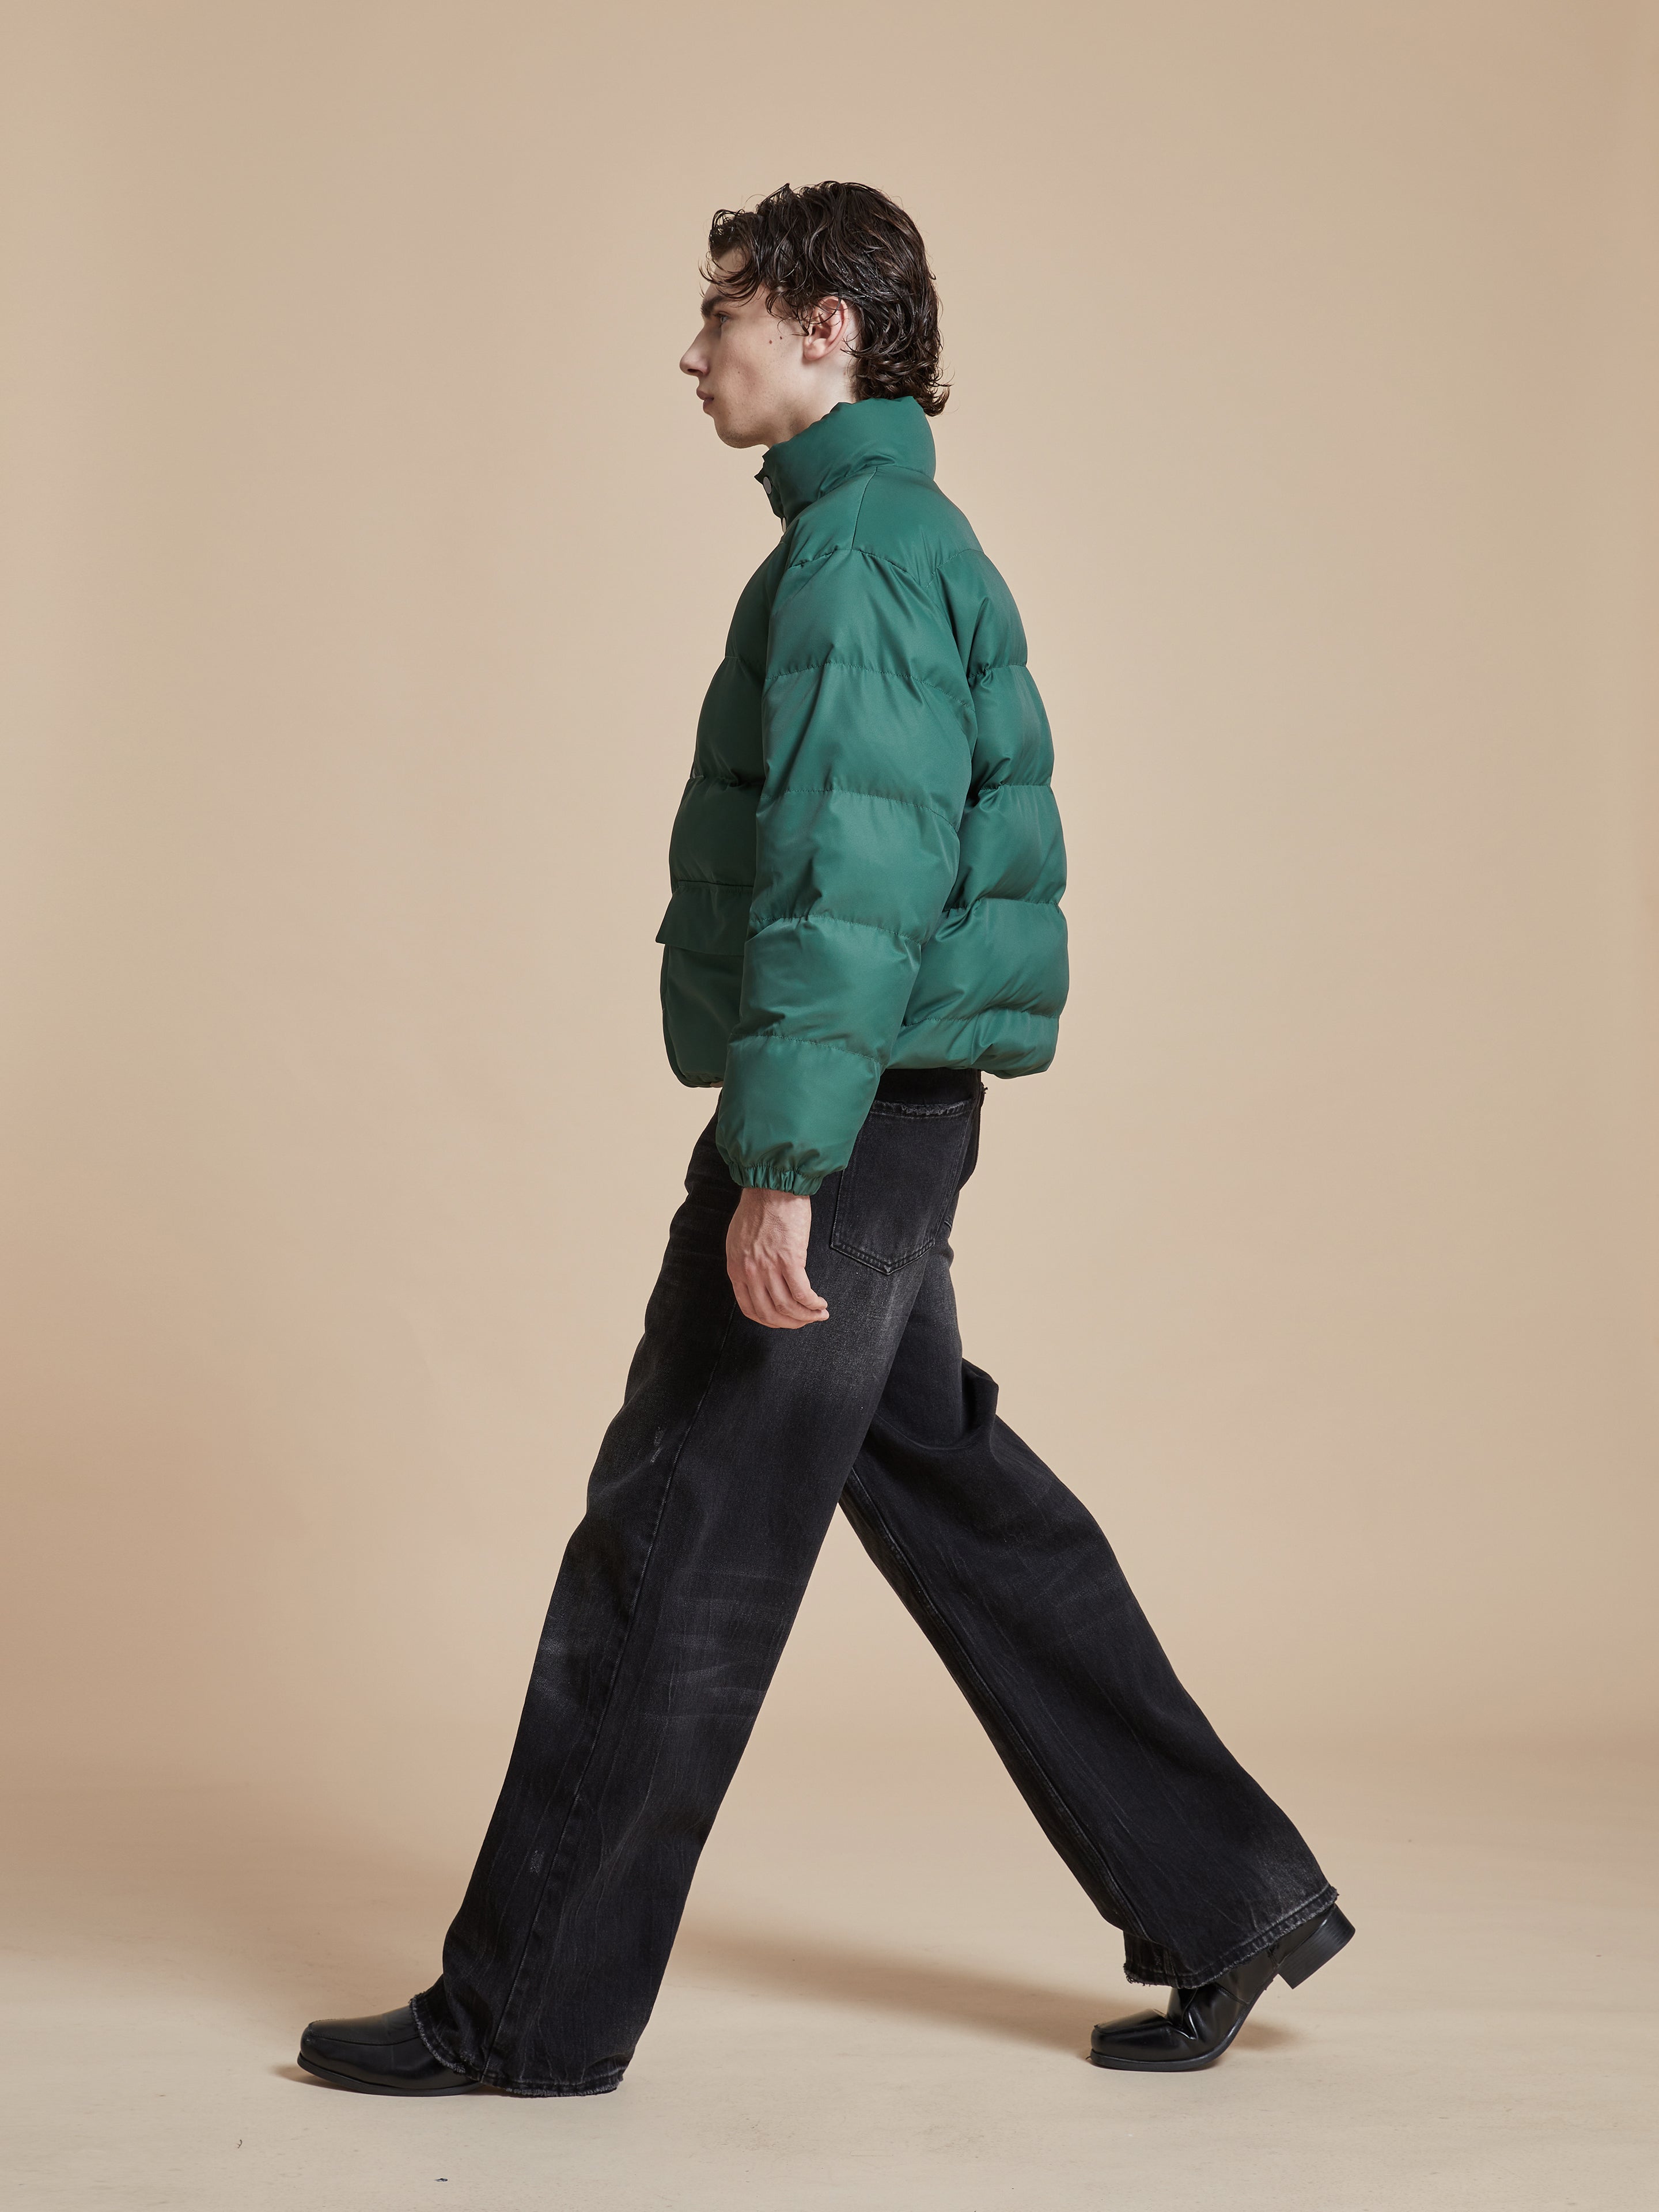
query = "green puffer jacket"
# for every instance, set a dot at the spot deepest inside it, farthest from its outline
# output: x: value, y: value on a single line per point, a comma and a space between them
x: 866, y: 863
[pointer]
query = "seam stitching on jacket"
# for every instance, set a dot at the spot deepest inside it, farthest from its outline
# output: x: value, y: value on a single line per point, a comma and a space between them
x: 886, y: 560
x: 811, y: 560
x: 1004, y: 898
x: 861, y: 668
x: 911, y: 576
x: 818, y: 1044
x: 733, y: 658
x: 841, y: 921
x: 857, y: 791
x: 967, y: 1021
x: 852, y: 545
x: 857, y: 512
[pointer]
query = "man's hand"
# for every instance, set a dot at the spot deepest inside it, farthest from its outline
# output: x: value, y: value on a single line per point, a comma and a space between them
x: 766, y: 1258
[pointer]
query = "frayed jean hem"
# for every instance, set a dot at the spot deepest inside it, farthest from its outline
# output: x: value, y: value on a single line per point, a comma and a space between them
x: 1155, y: 1966
x: 595, y: 2085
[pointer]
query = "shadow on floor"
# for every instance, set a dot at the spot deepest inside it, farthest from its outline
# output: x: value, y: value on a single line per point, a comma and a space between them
x: 785, y: 1964
x: 306, y: 1921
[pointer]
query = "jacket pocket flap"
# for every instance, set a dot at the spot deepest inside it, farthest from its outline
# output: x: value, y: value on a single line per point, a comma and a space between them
x: 708, y: 918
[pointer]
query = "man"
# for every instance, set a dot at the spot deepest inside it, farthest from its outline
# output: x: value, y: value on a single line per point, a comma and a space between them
x: 867, y: 868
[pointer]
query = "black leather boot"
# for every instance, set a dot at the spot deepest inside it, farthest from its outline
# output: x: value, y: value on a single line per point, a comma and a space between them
x: 382, y: 2053
x: 1200, y: 2023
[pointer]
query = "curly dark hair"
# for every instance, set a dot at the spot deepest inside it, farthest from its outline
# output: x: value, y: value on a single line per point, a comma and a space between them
x: 845, y: 242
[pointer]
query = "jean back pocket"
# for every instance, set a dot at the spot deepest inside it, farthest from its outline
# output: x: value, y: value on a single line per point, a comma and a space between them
x: 898, y: 1191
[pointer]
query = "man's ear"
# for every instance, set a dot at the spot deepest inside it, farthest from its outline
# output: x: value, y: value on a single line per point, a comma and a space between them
x: 831, y: 327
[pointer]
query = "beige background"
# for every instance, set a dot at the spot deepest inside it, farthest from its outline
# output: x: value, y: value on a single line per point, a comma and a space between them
x: 365, y: 559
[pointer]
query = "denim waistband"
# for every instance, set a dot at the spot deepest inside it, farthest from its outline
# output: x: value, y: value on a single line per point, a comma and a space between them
x: 929, y: 1087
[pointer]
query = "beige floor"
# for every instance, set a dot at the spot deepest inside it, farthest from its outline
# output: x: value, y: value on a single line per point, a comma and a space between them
x: 880, y: 1999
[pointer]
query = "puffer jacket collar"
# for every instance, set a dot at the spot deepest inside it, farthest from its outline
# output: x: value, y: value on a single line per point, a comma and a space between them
x: 852, y: 438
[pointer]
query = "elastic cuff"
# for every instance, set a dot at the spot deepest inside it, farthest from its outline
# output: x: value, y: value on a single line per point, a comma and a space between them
x: 774, y: 1179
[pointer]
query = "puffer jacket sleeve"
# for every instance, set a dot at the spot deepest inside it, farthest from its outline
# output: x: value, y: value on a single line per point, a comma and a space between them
x: 868, y: 727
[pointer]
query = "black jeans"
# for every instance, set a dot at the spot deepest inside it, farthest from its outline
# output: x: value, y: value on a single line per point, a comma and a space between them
x: 710, y: 1498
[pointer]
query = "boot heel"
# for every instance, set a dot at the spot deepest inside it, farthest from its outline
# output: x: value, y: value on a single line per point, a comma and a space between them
x: 1325, y: 1939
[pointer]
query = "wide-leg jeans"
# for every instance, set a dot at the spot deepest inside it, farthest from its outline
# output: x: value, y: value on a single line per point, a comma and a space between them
x: 711, y: 1497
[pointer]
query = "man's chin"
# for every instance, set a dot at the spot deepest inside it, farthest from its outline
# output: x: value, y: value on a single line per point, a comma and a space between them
x: 737, y: 434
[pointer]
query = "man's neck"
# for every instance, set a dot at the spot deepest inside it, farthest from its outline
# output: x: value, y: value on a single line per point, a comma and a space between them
x: 809, y: 408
